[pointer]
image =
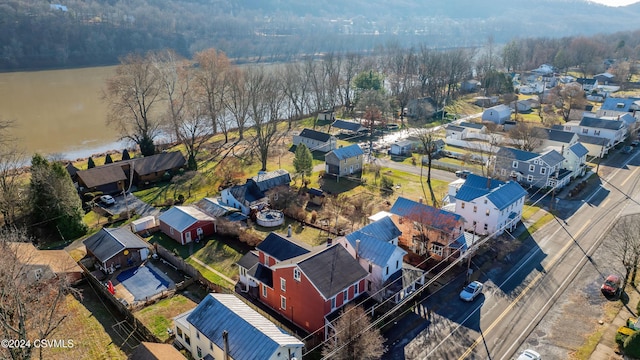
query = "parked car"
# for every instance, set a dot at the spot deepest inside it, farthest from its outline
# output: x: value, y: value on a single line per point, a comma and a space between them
x: 529, y: 355
x: 611, y: 286
x: 471, y: 291
x: 463, y: 173
x: 107, y: 200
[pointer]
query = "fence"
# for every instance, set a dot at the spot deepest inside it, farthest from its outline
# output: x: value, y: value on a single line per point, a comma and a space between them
x: 137, y: 326
x: 179, y: 264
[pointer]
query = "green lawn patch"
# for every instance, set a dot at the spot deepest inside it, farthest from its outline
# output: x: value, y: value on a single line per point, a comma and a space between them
x: 158, y: 317
x: 306, y: 234
x: 220, y: 256
x: 211, y: 276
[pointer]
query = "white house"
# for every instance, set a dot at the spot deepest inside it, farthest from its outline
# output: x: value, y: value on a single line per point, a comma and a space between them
x: 223, y: 327
x: 615, y: 131
x: 244, y: 197
x: 315, y: 140
x: 401, y: 148
x: 489, y: 206
x: 498, y: 114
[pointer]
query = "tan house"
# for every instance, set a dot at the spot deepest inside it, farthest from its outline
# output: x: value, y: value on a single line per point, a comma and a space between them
x: 46, y: 264
x: 344, y: 161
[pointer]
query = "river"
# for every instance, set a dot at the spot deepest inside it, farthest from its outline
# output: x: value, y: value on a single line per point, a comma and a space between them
x: 59, y: 111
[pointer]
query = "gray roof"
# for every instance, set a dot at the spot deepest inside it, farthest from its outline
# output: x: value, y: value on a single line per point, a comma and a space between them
x: 250, y: 262
x: 250, y: 335
x: 454, y: 127
x: 315, y: 135
x: 595, y: 140
x: 181, y: 217
x: 579, y: 150
x: 247, y: 192
x: 347, y: 125
x: 346, y: 152
x: 158, y: 162
x: 107, y: 242
x: 281, y: 248
x: 428, y: 215
x: 268, y: 180
x: 600, y: 123
x: 618, y: 104
x: 215, y: 208
x: 554, y: 134
x: 332, y: 270
x: 403, y: 143
x: 375, y: 240
x: 101, y: 175
x: 516, y: 154
x: 471, y: 125
x: 552, y: 157
x: 585, y: 81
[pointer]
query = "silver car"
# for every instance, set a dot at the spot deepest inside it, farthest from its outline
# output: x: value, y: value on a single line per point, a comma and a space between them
x: 471, y: 291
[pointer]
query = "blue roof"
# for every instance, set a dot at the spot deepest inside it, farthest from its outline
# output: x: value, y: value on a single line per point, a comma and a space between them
x: 250, y: 335
x: 579, y: 150
x: 375, y: 240
x: 501, y: 194
x: 435, y: 218
x: 347, y: 152
x: 280, y: 248
x: 618, y: 104
x: 599, y: 123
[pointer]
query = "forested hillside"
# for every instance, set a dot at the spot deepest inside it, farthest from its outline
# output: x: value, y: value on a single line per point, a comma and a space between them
x: 39, y: 34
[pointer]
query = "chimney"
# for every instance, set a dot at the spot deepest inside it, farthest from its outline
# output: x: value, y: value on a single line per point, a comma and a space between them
x: 488, y: 183
x: 357, y: 248
x: 289, y: 231
x: 329, y: 242
x: 420, y: 200
x: 225, y: 339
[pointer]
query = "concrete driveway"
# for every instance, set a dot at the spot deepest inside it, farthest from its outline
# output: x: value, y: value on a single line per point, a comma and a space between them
x: 132, y: 202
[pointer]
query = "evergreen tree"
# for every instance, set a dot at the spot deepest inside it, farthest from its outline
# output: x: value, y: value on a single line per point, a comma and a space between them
x: 125, y: 155
x: 303, y: 161
x: 90, y: 163
x: 108, y: 159
x: 54, y: 202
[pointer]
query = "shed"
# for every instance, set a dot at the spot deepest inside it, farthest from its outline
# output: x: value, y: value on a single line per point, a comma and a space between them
x: 144, y: 224
x: 498, y: 114
x: 401, y: 148
x: 186, y: 223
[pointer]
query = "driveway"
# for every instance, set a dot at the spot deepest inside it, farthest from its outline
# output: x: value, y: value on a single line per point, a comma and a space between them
x: 132, y: 202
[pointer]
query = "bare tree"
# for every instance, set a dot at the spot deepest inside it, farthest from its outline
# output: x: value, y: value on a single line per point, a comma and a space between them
x: 428, y: 141
x: 212, y: 68
x: 352, y: 66
x: 354, y: 338
x: 402, y: 68
x: 11, y: 201
x: 528, y: 136
x: 236, y: 99
x: 295, y: 89
x: 567, y: 97
x: 625, y: 243
x: 132, y: 96
x: 314, y: 73
x: 29, y: 308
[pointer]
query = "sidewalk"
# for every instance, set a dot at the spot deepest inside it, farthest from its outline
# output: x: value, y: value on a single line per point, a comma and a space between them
x: 606, y: 348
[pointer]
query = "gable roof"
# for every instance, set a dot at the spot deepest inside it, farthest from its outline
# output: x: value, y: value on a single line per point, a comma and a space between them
x: 250, y: 262
x: 500, y: 193
x: 402, y: 143
x: 472, y: 125
x: 516, y: 154
x: 59, y: 261
x: 501, y: 109
x: 585, y: 81
x: 552, y: 157
x: 246, y: 192
x: 347, y: 125
x: 101, y: 175
x: 107, y: 242
x: 554, y: 134
x: 281, y: 248
x: 375, y: 240
x: 181, y: 217
x: 436, y: 218
x: 158, y: 162
x: 72, y: 170
x: 315, y: 135
x: 271, y: 179
x: 250, y: 335
x: 618, y: 104
x: 346, y: 152
x: 213, y: 207
x: 595, y: 140
x: 579, y: 150
x: 601, y: 123
x: 454, y: 127
x: 331, y: 270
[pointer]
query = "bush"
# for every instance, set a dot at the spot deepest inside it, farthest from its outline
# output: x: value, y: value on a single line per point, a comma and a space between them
x: 631, y: 345
x: 386, y: 183
x: 314, y: 217
x: 620, y: 338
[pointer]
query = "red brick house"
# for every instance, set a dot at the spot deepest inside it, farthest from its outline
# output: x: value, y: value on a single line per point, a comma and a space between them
x: 306, y: 285
x: 186, y: 223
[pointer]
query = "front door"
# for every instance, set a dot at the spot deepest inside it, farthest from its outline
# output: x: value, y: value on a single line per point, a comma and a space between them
x: 187, y: 237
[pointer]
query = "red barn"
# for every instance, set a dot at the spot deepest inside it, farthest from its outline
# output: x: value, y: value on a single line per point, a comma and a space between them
x: 185, y: 224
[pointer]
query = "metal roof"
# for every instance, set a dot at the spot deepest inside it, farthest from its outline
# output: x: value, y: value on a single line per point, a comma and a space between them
x: 315, y: 135
x: 213, y: 207
x: 618, y: 104
x: 181, y: 217
x: 271, y: 179
x: 347, y: 125
x: 500, y: 194
x: 107, y: 243
x: 280, y: 247
x: 435, y: 218
x: 375, y: 240
x: 346, y: 152
x: 250, y: 335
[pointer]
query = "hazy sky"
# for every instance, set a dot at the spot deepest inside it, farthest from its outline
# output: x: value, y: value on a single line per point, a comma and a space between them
x: 615, y: 2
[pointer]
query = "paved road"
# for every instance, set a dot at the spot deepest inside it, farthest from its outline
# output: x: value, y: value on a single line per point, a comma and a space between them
x: 520, y: 290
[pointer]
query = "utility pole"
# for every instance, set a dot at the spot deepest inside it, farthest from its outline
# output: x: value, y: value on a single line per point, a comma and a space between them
x: 469, y: 253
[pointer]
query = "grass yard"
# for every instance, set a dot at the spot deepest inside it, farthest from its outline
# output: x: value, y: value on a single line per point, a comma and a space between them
x: 157, y: 317
x: 88, y: 328
x: 408, y: 185
x: 220, y: 256
x: 306, y: 234
x: 211, y: 276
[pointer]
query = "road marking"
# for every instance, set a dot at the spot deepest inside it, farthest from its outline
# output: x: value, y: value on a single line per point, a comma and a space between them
x: 531, y: 284
x: 628, y: 177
